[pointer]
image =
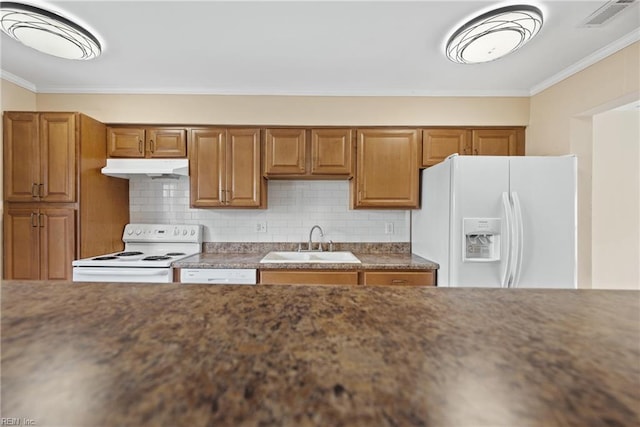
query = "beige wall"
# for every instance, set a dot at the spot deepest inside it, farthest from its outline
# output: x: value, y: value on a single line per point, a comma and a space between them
x: 612, y: 82
x: 561, y: 123
x: 616, y: 200
x: 14, y: 97
x: 292, y: 110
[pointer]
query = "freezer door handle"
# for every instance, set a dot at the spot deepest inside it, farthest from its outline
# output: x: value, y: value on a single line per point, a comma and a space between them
x: 519, y: 230
x: 508, y: 214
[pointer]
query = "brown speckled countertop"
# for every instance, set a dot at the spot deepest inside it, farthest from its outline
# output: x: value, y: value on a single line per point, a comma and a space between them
x: 252, y: 260
x: 372, y: 256
x: 194, y: 355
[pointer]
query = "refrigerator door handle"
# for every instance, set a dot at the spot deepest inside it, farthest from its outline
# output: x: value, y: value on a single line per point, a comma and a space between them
x: 508, y: 215
x: 519, y: 229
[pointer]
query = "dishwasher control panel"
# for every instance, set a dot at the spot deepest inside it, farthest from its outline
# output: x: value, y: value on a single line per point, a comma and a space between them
x: 219, y: 276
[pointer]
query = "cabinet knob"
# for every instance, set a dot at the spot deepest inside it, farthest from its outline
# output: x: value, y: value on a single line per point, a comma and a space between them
x: 152, y: 145
x: 34, y: 189
x: 34, y: 221
x: 140, y: 146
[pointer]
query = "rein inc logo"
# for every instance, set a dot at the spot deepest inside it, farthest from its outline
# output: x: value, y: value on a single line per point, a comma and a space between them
x: 15, y: 421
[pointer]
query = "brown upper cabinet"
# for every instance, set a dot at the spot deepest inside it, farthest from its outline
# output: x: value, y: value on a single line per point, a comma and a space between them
x: 39, y: 157
x: 439, y: 143
x: 285, y: 152
x: 497, y: 142
x: 387, y: 169
x: 308, y: 153
x: 225, y: 168
x: 151, y: 142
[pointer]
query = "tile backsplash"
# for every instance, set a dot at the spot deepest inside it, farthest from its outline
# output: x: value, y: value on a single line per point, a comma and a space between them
x: 293, y: 208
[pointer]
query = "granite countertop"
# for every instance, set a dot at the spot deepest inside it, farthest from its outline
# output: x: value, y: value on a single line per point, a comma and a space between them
x: 384, y: 261
x: 100, y: 354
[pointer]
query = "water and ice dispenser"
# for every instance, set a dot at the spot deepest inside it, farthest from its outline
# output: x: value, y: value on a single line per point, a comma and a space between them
x: 481, y: 239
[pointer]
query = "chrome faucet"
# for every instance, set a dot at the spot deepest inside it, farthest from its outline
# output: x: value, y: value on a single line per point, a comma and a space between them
x: 309, y: 248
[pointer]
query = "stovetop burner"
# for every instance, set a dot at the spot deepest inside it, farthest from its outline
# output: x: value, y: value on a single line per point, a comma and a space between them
x: 156, y: 258
x: 130, y: 253
x: 104, y: 258
x: 175, y: 253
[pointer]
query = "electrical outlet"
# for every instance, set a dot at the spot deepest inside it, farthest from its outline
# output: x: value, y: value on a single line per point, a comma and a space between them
x: 388, y: 228
x: 261, y: 227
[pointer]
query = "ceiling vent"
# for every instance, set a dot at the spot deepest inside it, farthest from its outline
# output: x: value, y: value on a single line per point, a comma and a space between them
x: 606, y: 12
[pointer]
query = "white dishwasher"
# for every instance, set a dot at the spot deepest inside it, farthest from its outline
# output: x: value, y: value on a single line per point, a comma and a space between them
x: 219, y: 276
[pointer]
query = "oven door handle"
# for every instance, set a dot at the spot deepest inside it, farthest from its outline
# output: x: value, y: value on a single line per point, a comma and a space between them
x: 92, y: 271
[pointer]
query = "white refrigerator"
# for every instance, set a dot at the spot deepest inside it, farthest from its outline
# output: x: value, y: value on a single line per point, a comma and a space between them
x: 493, y: 221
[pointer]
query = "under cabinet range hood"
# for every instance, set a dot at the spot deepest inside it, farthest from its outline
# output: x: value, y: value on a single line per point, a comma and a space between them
x: 155, y: 168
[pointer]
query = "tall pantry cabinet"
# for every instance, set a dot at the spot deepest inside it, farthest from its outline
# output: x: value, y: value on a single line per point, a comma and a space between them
x: 57, y: 204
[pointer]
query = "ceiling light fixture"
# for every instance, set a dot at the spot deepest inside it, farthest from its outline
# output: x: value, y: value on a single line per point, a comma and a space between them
x: 47, y: 32
x: 494, y: 34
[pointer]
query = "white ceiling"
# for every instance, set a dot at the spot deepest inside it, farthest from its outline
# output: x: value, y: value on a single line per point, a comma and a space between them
x: 390, y: 48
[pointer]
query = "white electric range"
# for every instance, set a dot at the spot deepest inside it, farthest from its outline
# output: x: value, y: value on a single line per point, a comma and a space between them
x: 149, y: 251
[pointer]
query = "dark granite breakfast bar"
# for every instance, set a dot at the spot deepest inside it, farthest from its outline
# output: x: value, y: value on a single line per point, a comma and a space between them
x: 76, y: 354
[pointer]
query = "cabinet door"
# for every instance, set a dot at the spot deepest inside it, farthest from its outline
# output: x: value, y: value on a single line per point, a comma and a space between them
x: 21, y: 249
x: 164, y: 142
x: 57, y: 243
x: 494, y: 142
x: 331, y: 151
x: 308, y: 277
x: 285, y: 152
x: 58, y: 157
x: 125, y: 142
x: 206, y: 167
x: 243, y: 178
x: 438, y: 144
x: 387, y: 168
x: 399, y: 278
x: 21, y: 157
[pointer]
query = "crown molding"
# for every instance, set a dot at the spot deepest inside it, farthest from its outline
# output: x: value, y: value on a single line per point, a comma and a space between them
x: 280, y: 92
x: 597, y: 56
x: 18, y: 81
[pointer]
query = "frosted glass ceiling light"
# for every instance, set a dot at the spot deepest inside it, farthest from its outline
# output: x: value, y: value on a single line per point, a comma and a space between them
x: 47, y: 32
x: 494, y: 34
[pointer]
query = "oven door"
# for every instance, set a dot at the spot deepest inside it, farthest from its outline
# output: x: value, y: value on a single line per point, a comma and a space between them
x: 123, y: 274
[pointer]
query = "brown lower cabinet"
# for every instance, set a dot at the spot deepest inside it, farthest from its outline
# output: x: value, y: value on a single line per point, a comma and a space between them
x: 399, y: 278
x: 347, y: 277
x: 39, y: 243
x: 308, y: 277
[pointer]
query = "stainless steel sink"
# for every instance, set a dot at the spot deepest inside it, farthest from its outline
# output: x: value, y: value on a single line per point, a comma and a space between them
x: 310, y: 257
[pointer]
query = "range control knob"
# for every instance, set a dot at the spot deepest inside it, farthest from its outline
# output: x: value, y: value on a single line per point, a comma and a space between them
x: 193, y: 232
x: 176, y: 231
x: 129, y: 232
x: 184, y: 232
x: 138, y: 231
